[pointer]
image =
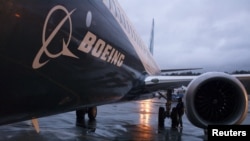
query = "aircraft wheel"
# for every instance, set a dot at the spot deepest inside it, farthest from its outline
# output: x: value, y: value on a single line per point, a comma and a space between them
x: 80, y: 116
x: 92, y: 112
x: 161, y: 117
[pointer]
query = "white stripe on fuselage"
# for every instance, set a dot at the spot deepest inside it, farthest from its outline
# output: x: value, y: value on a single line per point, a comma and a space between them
x: 145, y: 56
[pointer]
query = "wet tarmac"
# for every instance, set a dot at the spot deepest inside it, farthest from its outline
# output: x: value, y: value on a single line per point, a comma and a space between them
x: 132, y: 121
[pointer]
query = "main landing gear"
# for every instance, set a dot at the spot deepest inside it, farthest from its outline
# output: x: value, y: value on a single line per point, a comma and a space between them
x: 162, y: 113
x: 80, y: 114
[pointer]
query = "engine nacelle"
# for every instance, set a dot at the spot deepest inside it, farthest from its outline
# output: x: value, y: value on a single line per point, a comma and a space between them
x: 216, y: 98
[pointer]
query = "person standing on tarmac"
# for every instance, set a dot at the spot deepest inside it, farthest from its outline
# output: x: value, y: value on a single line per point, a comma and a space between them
x: 180, y: 110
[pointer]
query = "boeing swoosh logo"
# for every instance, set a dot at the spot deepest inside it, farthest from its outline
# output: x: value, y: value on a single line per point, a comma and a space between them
x: 91, y: 43
x: 46, y: 41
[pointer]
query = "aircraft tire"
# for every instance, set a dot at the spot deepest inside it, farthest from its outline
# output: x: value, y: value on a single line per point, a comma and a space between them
x: 161, y: 117
x: 92, y: 112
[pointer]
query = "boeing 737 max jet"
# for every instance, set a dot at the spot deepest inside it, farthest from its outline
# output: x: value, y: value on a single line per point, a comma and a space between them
x: 64, y: 55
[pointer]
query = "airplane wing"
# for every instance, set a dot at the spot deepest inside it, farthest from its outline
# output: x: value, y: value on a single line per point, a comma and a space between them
x: 210, y: 98
x: 171, y: 82
x: 167, y: 82
x: 182, y: 69
x: 245, y: 80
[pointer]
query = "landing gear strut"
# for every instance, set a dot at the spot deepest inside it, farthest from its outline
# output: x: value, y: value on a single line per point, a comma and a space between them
x: 162, y: 113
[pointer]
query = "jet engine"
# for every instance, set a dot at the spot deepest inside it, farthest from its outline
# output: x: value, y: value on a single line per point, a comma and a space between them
x: 216, y: 98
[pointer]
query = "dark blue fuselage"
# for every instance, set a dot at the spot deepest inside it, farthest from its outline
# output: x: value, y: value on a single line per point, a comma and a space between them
x: 60, y: 55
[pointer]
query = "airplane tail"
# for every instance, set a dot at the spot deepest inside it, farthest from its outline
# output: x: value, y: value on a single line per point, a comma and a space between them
x: 151, y: 44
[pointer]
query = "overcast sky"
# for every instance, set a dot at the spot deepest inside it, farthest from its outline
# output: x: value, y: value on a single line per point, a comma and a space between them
x: 212, y: 34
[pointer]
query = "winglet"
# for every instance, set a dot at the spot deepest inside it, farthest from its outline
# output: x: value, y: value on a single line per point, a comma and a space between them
x: 36, y: 124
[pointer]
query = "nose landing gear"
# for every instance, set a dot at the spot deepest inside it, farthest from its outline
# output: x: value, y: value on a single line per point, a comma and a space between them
x: 80, y: 114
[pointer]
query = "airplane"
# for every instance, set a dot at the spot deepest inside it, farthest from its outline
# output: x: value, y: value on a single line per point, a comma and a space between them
x: 58, y: 56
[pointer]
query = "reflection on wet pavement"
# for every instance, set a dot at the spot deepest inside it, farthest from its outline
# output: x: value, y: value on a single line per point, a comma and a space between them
x: 145, y: 109
x: 118, y: 122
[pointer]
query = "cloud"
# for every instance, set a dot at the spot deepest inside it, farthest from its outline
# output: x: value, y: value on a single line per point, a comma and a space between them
x: 209, y: 34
